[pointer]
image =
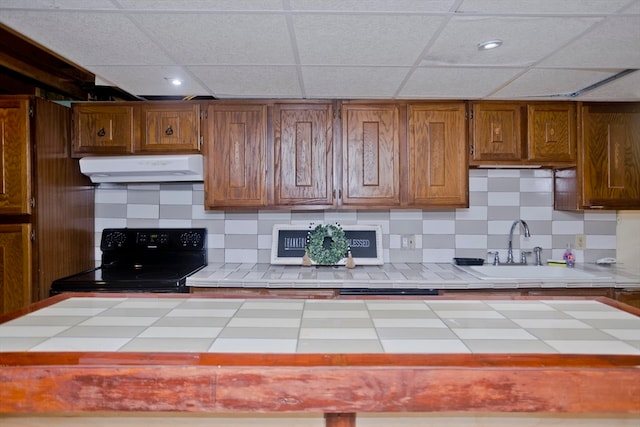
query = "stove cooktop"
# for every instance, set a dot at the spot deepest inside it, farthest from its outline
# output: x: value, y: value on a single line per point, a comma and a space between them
x: 142, y: 260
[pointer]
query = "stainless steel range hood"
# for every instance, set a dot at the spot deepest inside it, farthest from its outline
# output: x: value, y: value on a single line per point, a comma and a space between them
x: 156, y: 168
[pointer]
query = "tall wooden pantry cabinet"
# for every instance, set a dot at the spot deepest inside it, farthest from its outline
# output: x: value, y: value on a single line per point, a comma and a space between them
x: 46, y: 204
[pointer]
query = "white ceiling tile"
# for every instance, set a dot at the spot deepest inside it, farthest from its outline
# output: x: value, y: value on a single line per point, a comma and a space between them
x: 525, y: 40
x: 250, y: 82
x: 615, y: 42
x: 152, y: 80
x: 208, y: 5
x: 363, y: 39
x: 548, y: 83
x: 88, y: 38
x: 53, y: 5
x: 353, y: 82
x: 626, y: 88
x: 195, y: 39
x: 634, y: 8
x: 555, y: 7
x: 373, y: 5
x: 455, y: 82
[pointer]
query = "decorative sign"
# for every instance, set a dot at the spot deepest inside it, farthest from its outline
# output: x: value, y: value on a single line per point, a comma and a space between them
x: 288, y: 242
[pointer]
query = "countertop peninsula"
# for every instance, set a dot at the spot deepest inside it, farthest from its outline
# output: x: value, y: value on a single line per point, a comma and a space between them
x: 396, y: 275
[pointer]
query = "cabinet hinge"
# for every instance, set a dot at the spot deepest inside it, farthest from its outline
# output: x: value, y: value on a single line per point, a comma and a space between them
x: 31, y: 112
x: 32, y: 202
x: 470, y: 115
x: 472, y: 150
x: 33, y: 235
x: 200, y: 141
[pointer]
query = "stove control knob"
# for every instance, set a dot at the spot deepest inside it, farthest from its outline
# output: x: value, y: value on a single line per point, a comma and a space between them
x: 190, y: 239
x: 115, y: 239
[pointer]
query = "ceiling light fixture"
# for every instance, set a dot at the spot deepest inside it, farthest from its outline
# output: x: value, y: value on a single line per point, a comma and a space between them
x: 174, y: 81
x: 490, y: 44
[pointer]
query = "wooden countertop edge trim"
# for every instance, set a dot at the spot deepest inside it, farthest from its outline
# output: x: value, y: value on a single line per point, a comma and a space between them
x: 326, y: 389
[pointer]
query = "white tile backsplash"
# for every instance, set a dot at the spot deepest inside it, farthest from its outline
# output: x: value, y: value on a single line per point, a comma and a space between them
x: 440, y: 234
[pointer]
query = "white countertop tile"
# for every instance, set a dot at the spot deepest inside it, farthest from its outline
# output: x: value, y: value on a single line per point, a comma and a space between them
x: 195, y: 324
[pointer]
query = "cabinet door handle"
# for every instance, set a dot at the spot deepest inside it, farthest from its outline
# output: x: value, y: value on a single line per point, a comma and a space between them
x: 169, y: 131
x: 101, y: 132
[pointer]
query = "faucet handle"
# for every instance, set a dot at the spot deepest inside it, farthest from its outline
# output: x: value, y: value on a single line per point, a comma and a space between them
x: 496, y: 257
x: 538, y: 252
x: 523, y: 256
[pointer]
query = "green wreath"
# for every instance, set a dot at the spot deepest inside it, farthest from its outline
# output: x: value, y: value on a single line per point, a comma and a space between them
x: 327, y: 244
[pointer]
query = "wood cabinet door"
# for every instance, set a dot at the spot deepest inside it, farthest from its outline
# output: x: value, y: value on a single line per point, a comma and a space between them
x: 170, y: 127
x: 235, y: 168
x: 496, y: 134
x: 551, y: 135
x: 610, y: 155
x: 15, y: 267
x: 15, y: 159
x: 438, y: 171
x: 103, y: 129
x: 370, y: 155
x: 303, y: 154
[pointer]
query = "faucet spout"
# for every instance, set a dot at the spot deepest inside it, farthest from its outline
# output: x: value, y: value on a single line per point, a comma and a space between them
x: 524, y: 227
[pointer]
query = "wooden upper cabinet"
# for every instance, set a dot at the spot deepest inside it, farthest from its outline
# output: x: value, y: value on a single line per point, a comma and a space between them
x: 104, y: 128
x: 519, y: 133
x: 370, y: 155
x: 236, y: 152
x: 303, y: 154
x: 170, y: 127
x: 496, y: 134
x: 15, y: 160
x: 551, y: 136
x: 437, y: 155
x: 610, y: 156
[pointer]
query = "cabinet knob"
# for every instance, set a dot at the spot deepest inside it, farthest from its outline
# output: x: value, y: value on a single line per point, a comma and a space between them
x: 169, y: 131
x: 101, y: 132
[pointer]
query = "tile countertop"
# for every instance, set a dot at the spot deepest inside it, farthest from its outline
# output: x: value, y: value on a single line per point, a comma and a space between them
x: 395, y: 275
x: 188, y: 324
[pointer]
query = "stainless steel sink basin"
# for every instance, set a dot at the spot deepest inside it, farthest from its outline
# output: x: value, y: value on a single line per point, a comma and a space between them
x: 529, y: 272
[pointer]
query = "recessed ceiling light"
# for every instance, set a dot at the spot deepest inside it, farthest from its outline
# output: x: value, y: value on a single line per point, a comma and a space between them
x: 489, y: 44
x: 174, y: 81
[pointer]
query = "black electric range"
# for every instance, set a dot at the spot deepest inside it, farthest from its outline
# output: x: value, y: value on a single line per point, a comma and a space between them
x: 142, y: 260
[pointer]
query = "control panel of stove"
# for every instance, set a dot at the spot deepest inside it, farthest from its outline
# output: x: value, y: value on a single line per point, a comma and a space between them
x: 169, y: 239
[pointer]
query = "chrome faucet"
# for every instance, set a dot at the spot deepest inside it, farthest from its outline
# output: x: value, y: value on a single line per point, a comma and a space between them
x: 525, y: 227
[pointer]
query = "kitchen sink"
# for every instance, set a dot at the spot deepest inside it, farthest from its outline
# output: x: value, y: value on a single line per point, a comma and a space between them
x: 530, y: 272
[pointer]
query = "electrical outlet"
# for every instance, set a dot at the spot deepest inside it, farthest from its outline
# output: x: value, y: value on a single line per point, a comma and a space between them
x: 581, y: 242
x: 408, y: 241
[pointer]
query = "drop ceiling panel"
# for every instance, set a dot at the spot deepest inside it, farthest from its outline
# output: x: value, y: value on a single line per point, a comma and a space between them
x: 352, y: 82
x: 526, y: 40
x: 542, y: 7
x: 203, y: 5
x: 152, y: 80
x: 615, y: 41
x: 459, y: 83
x: 363, y: 39
x: 396, y: 6
x: 250, y: 82
x: 549, y: 83
x: 626, y: 88
x: 53, y: 5
x: 89, y: 38
x: 196, y: 39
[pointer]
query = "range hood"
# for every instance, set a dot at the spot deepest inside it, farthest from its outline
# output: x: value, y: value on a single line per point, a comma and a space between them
x: 157, y: 168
